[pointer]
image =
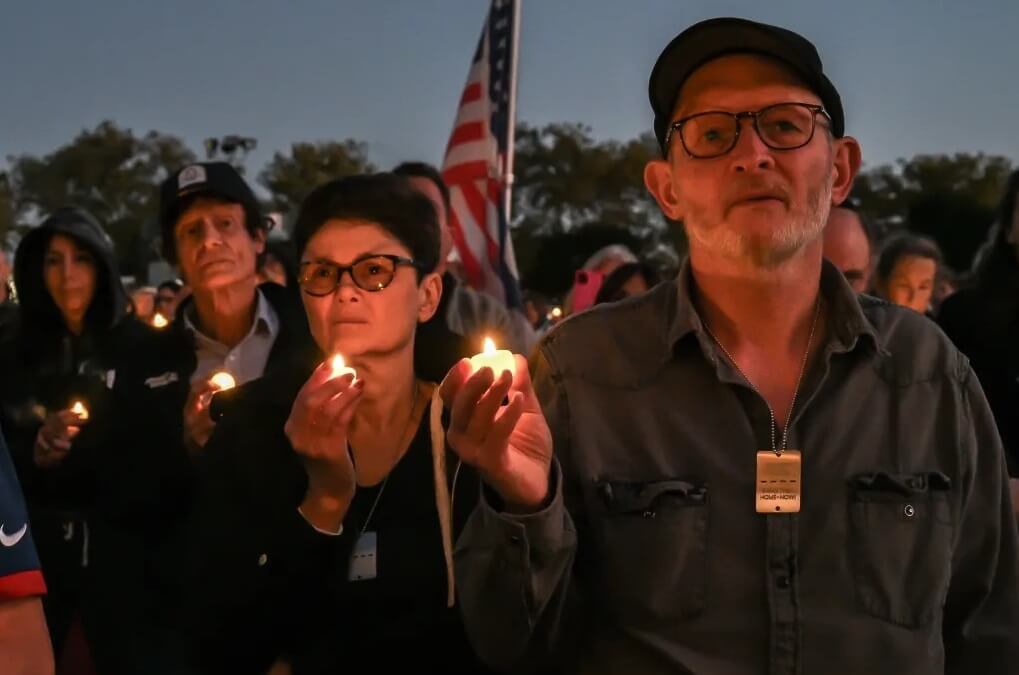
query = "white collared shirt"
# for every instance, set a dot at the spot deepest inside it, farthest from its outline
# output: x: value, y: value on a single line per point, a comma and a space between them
x: 246, y: 361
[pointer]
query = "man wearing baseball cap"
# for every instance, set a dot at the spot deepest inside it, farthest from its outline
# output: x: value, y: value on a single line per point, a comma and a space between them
x: 750, y: 469
x: 213, y: 229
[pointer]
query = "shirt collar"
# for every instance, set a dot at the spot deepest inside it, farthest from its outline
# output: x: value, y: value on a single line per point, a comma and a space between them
x: 847, y: 321
x: 266, y: 323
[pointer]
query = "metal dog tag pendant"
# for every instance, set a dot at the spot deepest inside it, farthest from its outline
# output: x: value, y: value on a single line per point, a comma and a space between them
x: 778, y: 481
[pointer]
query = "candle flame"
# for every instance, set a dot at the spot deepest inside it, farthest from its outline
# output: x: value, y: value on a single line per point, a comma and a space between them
x: 489, y: 348
x: 80, y: 410
x: 557, y: 312
x: 337, y: 364
x: 159, y: 321
x: 223, y: 381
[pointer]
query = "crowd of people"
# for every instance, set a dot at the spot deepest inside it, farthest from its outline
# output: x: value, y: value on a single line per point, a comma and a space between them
x: 294, y: 460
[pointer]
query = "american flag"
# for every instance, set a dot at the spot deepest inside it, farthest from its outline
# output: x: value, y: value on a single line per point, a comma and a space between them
x: 479, y: 159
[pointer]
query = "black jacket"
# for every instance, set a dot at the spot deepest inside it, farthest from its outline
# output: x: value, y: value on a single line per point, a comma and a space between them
x: 262, y: 584
x: 44, y: 368
x: 984, y: 325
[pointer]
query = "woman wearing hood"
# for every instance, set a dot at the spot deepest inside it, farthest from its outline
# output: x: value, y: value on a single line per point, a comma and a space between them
x: 58, y: 366
x: 322, y: 540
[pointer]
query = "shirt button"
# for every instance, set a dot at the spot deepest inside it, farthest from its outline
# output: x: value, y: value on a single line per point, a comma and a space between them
x: 262, y: 560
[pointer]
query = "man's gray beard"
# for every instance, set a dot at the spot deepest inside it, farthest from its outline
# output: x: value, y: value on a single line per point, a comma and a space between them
x: 783, y: 244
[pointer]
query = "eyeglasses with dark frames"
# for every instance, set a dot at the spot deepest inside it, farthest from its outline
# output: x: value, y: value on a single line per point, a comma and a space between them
x: 783, y: 126
x: 370, y: 273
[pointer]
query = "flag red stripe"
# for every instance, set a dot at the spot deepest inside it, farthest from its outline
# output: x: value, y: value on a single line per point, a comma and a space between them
x: 472, y: 93
x: 467, y: 132
x: 466, y: 172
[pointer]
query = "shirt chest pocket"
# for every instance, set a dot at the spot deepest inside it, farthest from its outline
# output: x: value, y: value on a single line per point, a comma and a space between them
x: 652, y: 553
x: 901, y: 541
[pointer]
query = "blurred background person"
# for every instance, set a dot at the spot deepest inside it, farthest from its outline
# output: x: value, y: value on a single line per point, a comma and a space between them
x: 73, y: 323
x: 589, y: 278
x: 8, y: 309
x: 143, y: 299
x: 465, y: 316
x: 279, y: 264
x: 5, y: 278
x: 847, y: 245
x: 907, y: 271
x: 168, y: 296
x: 627, y: 281
x: 983, y: 321
x: 945, y: 286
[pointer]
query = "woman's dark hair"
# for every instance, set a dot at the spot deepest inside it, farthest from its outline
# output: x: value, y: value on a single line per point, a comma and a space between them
x: 429, y: 172
x: 901, y: 245
x: 612, y: 287
x: 997, y: 264
x: 42, y: 324
x: 384, y: 199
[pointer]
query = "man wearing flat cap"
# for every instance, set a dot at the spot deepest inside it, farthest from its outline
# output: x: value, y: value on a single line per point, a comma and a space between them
x: 749, y: 469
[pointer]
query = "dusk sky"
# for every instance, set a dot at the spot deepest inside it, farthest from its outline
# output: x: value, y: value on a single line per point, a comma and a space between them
x: 916, y: 76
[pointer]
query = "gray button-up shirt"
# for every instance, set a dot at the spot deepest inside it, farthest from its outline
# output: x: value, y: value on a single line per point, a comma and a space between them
x: 651, y: 557
x: 246, y: 361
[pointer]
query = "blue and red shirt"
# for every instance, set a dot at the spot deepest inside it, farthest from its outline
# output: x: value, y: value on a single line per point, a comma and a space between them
x: 19, y: 565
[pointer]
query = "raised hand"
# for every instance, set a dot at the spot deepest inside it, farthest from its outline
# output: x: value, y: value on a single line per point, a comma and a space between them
x: 510, y: 446
x: 53, y: 441
x: 317, y: 430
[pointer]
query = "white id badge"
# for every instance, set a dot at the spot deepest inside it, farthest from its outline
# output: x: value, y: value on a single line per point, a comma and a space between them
x: 364, y: 558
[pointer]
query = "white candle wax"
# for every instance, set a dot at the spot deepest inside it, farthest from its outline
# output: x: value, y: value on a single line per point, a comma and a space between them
x: 496, y: 359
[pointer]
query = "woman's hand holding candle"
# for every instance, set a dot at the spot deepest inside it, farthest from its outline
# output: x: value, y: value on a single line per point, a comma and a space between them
x: 498, y: 360
x: 53, y: 441
x: 511, y: 445
x: 317, y: 430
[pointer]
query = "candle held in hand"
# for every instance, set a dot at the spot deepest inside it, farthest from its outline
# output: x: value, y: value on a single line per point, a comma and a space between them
x: 159, y: 321
x: 80, y: 410
x: 222, y: 381
x: 496, y: 359
x: 340, y: 367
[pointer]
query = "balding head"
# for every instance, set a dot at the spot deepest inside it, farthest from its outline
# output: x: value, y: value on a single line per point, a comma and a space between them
x: 846, y: 245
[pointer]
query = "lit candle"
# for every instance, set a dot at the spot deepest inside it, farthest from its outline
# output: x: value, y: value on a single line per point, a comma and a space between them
x: 222, y: 381
x: 557, y: 313
x: 159, y: 321
x: 496, y: 359
x: 80, y: 410
x: 340, y: 367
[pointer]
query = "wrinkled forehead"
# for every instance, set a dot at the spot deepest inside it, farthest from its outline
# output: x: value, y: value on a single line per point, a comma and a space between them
x: 738, y: 82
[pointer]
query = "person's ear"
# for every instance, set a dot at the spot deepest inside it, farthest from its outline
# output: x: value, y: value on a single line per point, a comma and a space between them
x: 658, y: 179
x: 847, y: 159
x: 429, y: 295
x: 260, y: 237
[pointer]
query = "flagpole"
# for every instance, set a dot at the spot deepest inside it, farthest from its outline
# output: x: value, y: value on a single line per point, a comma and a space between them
x: 512, y: 112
